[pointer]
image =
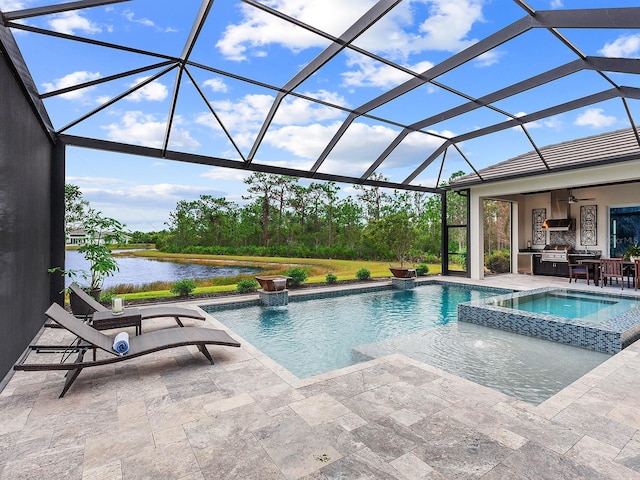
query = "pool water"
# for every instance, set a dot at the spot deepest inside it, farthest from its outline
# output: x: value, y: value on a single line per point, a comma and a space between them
x: 592, y: 307
x: 318, y: 335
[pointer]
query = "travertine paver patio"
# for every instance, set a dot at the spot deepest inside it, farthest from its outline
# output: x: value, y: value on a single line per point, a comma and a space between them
x: 172, y: 415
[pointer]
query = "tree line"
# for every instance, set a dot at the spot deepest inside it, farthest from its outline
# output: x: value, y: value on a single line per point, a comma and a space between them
x: 282, y: 217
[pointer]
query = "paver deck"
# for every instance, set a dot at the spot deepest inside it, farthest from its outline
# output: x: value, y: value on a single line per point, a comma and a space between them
x: 171, y: 415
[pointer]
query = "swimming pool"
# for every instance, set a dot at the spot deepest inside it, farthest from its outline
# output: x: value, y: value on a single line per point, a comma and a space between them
x: 603, y: 322
x: 313, y: 336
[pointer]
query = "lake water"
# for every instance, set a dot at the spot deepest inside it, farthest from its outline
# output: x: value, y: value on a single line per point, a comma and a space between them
x: 138, y: 271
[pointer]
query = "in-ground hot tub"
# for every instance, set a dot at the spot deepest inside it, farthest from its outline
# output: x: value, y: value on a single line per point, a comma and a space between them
x: 602, y: 322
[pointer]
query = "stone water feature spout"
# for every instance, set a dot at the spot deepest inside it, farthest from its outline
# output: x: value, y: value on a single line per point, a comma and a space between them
x: 274, y: 291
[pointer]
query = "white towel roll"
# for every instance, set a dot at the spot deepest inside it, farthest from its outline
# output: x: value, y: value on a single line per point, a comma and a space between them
x: 121, y: 343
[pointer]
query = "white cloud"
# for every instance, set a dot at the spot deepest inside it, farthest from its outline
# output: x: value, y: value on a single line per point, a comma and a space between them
x: 241, y: 117
x: 295, y: 110
x: 143, y: 129
x: 356, y: 150
x: 244, y: 117
x: 551, y: 122
x: 258, y: 28
x: 556, y: 4
x: 594, y: 117
x: 71, y: 22
x: 449, y: 23
x: 446, y: 28
x: 92, y: 181
x: 70, y: 80
x: 163, y: 192
x: 216, y: 85
x: 11, y: 5
x: 624, y: 46
x: 152, y: 92
x: 370, y: 73
x: 315, y: 137
x: 140, y: 206
x: 490, y: 58
x: 226, y: 174
x: 129, y: 15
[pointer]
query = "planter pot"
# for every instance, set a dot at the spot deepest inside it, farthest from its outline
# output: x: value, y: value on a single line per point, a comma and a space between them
x: 80, y: 308
x: 273, y: 283
x: 403, y: 272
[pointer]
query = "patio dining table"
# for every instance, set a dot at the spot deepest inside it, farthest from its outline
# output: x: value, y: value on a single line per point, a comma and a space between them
x: 596, y: 267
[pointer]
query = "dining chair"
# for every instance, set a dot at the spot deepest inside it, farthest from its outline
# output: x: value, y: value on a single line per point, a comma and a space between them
x: 578, y: 270
x: 611, y: 268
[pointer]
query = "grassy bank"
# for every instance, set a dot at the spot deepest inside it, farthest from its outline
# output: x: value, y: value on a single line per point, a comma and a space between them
x: 316, y: 268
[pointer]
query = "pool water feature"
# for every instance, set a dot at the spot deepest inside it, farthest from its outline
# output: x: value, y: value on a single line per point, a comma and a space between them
x: 602, y: 322
x: 312, y: 336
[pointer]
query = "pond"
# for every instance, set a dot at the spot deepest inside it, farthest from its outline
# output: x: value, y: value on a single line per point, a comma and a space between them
x: 138, y: 270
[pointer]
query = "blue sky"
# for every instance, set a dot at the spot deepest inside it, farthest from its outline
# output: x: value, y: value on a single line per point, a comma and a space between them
x: 243, y: 40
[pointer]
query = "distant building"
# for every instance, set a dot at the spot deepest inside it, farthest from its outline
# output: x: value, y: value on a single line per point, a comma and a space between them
x: 76, y: 237
x: 80, y: 237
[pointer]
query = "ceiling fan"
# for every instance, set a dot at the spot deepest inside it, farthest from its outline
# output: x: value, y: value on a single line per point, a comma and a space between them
x: 573, y: 199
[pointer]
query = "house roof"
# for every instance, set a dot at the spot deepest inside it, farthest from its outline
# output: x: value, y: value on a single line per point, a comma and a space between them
x: 611, y: 147
x: 329, y: 96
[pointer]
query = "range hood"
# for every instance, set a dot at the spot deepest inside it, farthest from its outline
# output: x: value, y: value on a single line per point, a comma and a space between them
x: 559, y: 220
x: 559, y: 224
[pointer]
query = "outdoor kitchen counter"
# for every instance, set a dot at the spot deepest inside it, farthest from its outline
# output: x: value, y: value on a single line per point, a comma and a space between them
x: 554, y: 260
x: 549, y: 268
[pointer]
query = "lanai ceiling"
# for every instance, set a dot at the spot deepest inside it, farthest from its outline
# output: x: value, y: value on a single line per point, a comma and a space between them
x: 409, y: 91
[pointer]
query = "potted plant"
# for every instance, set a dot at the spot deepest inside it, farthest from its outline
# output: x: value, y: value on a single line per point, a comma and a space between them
x: 397, y: 234
x: 632, y: 252
x: 100, y: 232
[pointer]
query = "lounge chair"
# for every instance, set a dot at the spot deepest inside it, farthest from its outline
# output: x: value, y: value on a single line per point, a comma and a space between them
x: 88, y: 338
x: 147, y: 312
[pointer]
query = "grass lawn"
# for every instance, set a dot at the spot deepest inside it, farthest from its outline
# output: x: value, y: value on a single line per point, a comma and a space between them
x: 317, y: 269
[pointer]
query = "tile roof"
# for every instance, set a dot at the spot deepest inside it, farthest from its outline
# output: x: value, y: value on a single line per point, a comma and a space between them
x: 611, y: 147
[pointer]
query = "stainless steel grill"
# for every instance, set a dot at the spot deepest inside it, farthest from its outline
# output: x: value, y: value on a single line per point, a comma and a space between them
x: 556, y: 253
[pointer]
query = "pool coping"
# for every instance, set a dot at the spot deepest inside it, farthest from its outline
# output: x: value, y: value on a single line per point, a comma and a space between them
x: 299, y: 296
x: 624, y: 329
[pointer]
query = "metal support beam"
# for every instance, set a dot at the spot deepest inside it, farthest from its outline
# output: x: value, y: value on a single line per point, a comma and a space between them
x: 60, y: 8
x: 150, y: 152
x: 351, y: 34
x: 474, y: 51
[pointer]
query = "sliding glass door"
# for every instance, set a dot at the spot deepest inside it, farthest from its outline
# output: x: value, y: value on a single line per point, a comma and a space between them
x: 624, y: 229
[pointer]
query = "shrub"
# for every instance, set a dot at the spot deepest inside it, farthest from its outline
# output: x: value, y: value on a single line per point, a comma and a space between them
x: 183, y: 288
x: 298, y: 276
x: 247, y: 285
x: 331, y: 278
x: 422, y: 269
x: 499, y: 262
x: 430, y: 258
x: 106, y: 296
x: 363, y: 274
